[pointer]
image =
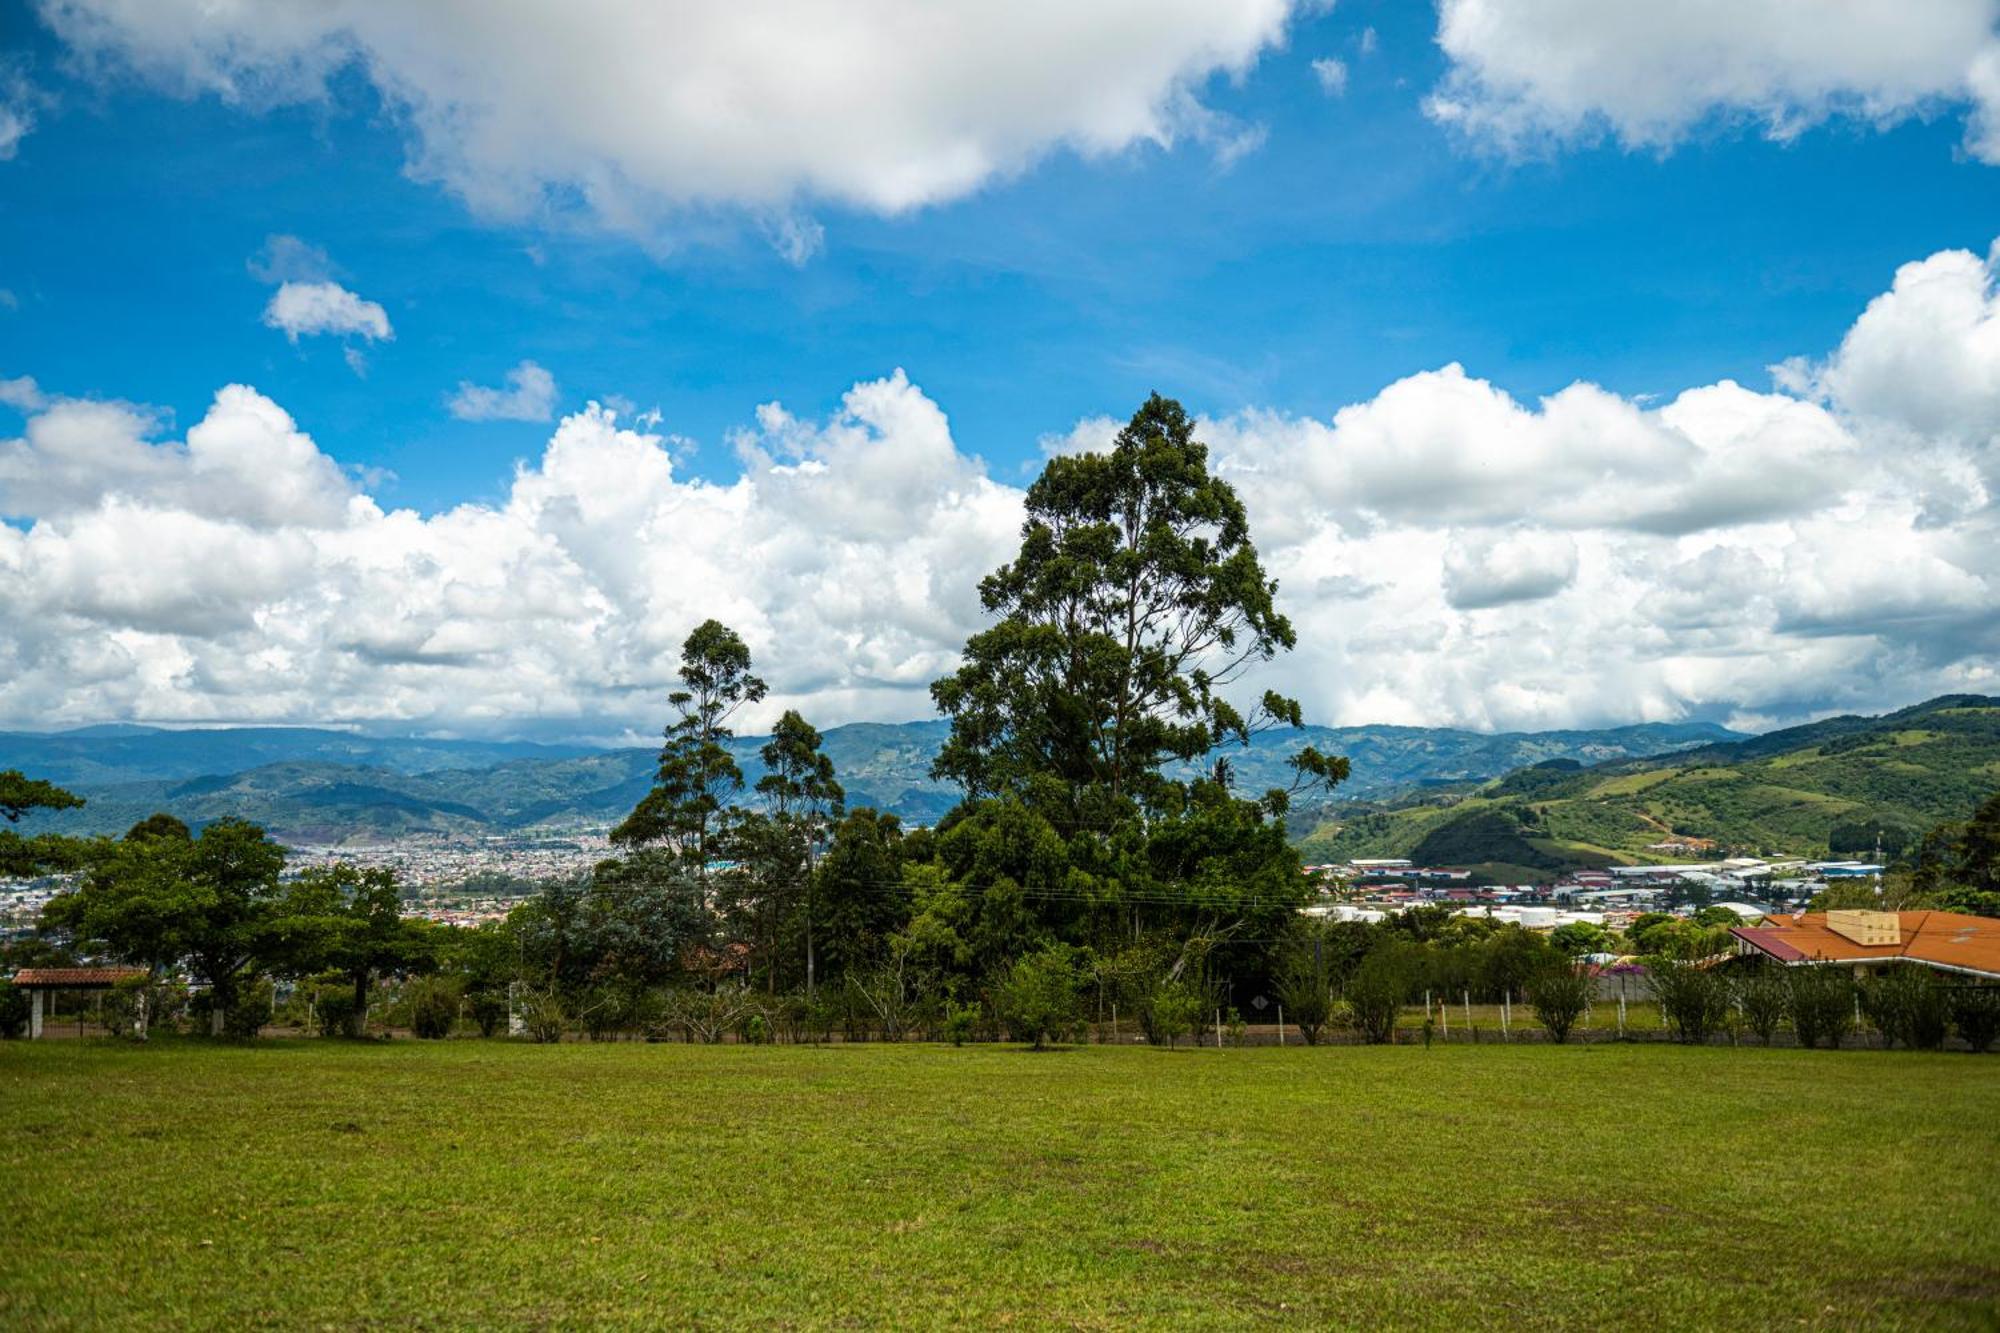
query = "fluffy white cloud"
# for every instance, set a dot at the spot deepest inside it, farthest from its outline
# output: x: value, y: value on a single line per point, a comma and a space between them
x: 1442, y: 447
x: 1332, y: 75
x: 246, y: 463
x: 1487, y: 569
x: 238, y: 574
x: 21, y: 394
x: 633, y: 110
x: 530, y: 395
x: 1446, y: 552
x: 1925, y: 354
x: 302, y: 309
x: 1525, y: 73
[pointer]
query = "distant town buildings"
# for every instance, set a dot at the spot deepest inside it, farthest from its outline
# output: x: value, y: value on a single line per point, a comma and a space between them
x: 1370, y: 888
x: 459, y: 880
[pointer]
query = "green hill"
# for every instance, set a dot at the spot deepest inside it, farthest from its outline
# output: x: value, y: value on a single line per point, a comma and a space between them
x: 334, y: 787
x: 1826, y: 788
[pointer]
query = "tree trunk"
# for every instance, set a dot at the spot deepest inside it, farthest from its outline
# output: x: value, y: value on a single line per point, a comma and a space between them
x: 221, y: 999
x: 357, y: 1024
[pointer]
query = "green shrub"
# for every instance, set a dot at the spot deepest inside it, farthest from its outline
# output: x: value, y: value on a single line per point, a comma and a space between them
x: 1762, y: 997
x: 960, y: 1021
x: 1378, y: 990
x: 128, y: 1008
x: 1037, y: 998
x: 14, y: 1010
x: 1908, y: 1004
x: 489, y: 1011
x: 1975, y: 1011
x: 1695, y: 999
x: 1172, y: 1011
x: 433, y: 1008
x: 246, y: 1017
x: 1559, y: 996
x: 1305, y: 989
x: 1821, y: 1003
x: 822, y: 1015
x: 543, y: 1015
x: 605, y: 1011
x: 334, y: 1011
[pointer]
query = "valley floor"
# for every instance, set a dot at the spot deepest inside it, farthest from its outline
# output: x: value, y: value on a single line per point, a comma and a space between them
x: 466, y: 1183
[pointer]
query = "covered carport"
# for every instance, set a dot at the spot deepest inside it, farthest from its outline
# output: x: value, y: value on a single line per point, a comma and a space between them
x: 43, y: 984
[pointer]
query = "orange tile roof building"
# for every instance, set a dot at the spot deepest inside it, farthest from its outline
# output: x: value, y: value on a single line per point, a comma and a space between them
x: 41, y: 982
x: 1949, y: 941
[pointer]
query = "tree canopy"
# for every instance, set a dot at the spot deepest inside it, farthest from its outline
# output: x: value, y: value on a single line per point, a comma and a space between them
x: 20, y: 857
x: 1136, y: 599
x: 159, y: 899
x: 698, y: 779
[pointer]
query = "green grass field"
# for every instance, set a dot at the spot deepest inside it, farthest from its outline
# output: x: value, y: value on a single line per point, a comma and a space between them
x: 310, y: 1183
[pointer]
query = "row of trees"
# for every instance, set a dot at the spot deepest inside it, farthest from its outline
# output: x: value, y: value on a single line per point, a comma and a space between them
x: 1095, y: 831
x: 1909, y: 1004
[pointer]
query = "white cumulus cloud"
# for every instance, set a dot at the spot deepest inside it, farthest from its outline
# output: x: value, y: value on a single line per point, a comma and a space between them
x: 633, y: 111
x: 22, y: 394
x: 302, y: 309
x: 1925, y: 353
x: 1529, y: 73
x: 1486, y: 569
x: 238, y: 573
x: 530, y: 395
x: 1447, y: 552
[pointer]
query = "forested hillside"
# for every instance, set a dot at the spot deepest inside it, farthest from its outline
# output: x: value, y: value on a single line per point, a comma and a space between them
x: 1826, y: 788
x: 329, y: 786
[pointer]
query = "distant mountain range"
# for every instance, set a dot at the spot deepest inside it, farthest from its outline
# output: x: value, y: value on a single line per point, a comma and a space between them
x: 328, y: 787
x: 1831, y: 786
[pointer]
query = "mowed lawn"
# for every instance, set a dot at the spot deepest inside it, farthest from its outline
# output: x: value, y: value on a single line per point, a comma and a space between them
x: 313, y: 1183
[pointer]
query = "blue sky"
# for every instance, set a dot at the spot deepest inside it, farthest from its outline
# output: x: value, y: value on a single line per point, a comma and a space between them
x: 1357, y: 245
x: 1359, y: 240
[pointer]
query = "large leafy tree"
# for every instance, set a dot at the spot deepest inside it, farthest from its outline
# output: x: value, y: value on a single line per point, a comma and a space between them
x: 1136, y: 600
x: 347, y: 920
x: 628, y: 924
x: 1085, y: 721
x: 159, y: 897
x: 688, y: 810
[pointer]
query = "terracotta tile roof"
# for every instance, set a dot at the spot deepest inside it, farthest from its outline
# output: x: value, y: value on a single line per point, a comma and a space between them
x: 1943, y: 939
x: 76, y: 976
x: 1772, y: 942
